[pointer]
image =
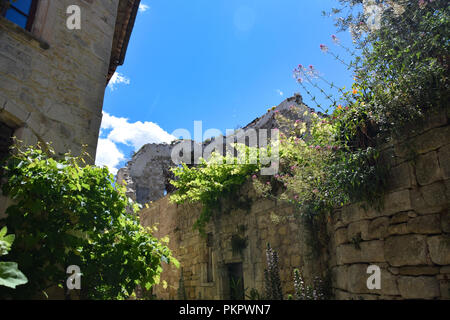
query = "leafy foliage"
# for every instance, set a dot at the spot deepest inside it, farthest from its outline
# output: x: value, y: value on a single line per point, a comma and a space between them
x: 10, y: 275
x: 68, y: 213
x: 318, y: 172
x: 212, y: 180
x: 403, y: 71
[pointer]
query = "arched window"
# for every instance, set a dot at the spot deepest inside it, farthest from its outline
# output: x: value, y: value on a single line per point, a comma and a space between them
x: 21, y: 12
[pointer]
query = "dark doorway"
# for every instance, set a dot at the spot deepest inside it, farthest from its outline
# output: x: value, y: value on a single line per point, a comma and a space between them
x: 236, y: 280
x: 6, y: 134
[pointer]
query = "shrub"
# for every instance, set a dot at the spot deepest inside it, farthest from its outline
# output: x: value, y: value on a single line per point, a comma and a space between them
x: 68, y: 213
x: 211, y: 180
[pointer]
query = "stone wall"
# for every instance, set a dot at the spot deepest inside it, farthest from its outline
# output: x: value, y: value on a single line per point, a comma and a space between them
x: 52, y: 79
x: 257, y: 220
x: 408, y: 239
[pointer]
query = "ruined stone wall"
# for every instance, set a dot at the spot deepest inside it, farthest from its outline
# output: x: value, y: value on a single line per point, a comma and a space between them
x: 408, y: 238
x: 148, y: 174
x: 260, y: 222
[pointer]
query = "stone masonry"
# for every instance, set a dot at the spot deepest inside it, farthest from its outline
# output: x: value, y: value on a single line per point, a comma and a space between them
x: 408, y: 238
x: 52, y: 79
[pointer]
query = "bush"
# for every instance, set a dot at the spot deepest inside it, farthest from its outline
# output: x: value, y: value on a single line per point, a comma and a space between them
x: 68, y: 213
x: 211, y: 180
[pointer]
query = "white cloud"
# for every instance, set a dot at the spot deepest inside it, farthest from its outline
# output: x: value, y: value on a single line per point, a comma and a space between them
x: 281, y: 93
x: 134, y: 134
x: 143, y: 7
x: 116, y: 79
x: 108, y: 155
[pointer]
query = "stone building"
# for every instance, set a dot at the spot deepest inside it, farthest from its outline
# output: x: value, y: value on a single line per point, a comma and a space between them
x: 52, y: 78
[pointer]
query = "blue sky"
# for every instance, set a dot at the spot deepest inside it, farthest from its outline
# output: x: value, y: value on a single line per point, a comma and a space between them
x: 223, y: 62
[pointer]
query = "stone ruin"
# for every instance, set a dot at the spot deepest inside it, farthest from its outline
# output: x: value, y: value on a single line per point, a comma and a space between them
x: 147, y: 175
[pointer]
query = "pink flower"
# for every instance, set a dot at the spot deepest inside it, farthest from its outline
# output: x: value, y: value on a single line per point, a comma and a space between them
x: 335, y: 39
x: 324, y: 48
x: 297, y: 121
x: 315, y: 191
x: 318, y: 148
x: 296, y: 197
x: 268, y: 182
x: 254, y: 176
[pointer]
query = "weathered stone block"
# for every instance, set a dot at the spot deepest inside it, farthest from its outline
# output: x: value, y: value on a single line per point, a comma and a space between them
x: 427, y: 224
x: 357, y: 279
x: 405, y: 250
x: 427, y: 168
x: 444, y: 286
x: 399, y: 217
x: 340, y: 236
x: 439, y: 247
x: 444, y: 160
x: 418, y: 271
x: 430, y: 198
x: 378, y: 228
x: 445, y: 220
x: 358, y: 227
x: 340, y: 277
x: 370, y: 251
x: 397, y: 229
x: 396, y: 202
x: 418, y: 287
x: 388, y: 283
x: 431, y: 140
x: 400, y: 177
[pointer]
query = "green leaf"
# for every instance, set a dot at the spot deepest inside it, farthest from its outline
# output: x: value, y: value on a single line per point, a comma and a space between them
x: 10, y: 275
x: 9, y: 239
